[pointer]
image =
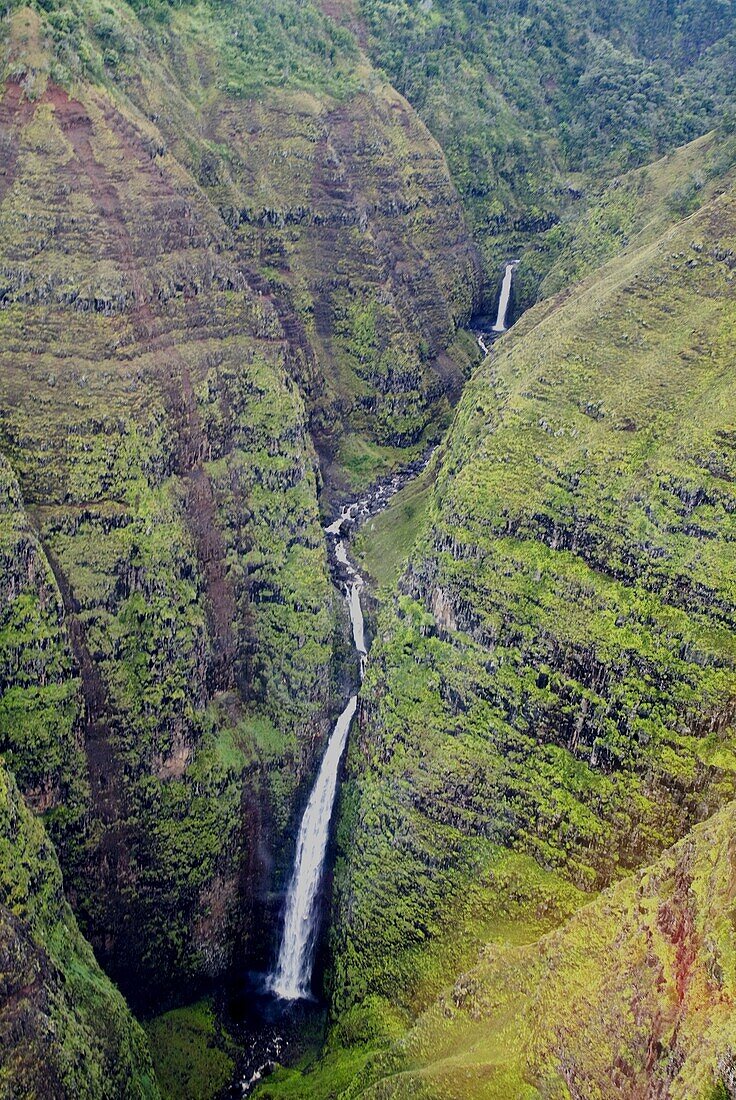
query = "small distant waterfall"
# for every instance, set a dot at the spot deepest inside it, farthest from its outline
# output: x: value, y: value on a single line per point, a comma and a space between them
x: 291, y: 979
x: 503, y: 301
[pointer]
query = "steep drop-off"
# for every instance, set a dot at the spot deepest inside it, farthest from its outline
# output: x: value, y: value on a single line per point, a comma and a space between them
x: 557, y: 676
x: 64, y: 1028
x: 198, y: 278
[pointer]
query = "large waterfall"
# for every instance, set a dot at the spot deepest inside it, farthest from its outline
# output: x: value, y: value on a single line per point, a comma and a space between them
x: 503, y: 301
x: 291, y: 980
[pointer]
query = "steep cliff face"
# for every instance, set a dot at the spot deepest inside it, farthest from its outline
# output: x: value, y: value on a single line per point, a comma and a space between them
x: 41, y: 707
x: 198, y: 277
x: 64, y: 1029
x: 233, y: 267
x: 558, y: 675
x: 335, y: 202
x: 165, y: 461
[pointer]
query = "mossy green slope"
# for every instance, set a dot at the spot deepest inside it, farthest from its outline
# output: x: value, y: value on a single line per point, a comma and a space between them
x: 169, y: 481
x: 632, y: 997
x: 212, y: 256
x: 193, y: 1056
x: 558, y: 676
x: 337, y: 202
x: 64, y: 1028
x: 225, y: 239
x: 631, y: 210
x: 41, y: 706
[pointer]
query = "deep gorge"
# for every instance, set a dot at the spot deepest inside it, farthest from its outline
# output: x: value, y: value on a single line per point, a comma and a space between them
x: 473, y: 267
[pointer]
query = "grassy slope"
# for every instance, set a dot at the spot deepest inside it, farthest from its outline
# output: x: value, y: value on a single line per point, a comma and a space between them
x: 634, y: 996
x: 631, y: 210
x: 192, y: 1056
x: 384, y: 543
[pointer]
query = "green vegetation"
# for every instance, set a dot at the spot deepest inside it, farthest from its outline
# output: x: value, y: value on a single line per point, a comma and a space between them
x: 385, y: 542
x: 294, y: 74
x: 192, y: 1056
x: 548, y: 704
x: 64, y: 1028
x: 233, y: 273
x: 285, y: 46
x: 558, y: 676
x: 508, y: 900
x: 180, y: 515
x: 365, y: 462
x: 523, y: 97
x: 40, y: 698
x: 331, y: 1078
x: 168, y: 641
x: 631, y: 210
x: 634, y: 992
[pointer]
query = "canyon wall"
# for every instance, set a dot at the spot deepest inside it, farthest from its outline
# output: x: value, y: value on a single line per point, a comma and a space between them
x: 194, y: 288
x: 556, y: 676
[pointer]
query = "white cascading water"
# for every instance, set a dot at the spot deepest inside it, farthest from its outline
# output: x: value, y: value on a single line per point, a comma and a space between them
x: 503, y: 301
x: 291, y: 980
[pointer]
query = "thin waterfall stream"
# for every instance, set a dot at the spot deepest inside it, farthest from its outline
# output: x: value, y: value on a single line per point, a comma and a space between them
x: 486, y: 336
x: 292, y: 976
x: 503, y: 301
x: 280, y: 1005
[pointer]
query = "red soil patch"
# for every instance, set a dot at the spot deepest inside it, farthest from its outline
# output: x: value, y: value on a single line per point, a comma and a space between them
x: 15, y: 113
x: 675, y: 920
x: 76, y: 126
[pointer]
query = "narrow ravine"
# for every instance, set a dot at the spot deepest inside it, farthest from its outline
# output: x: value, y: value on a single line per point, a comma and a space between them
x: 292, y: 976
x: 288, y: 988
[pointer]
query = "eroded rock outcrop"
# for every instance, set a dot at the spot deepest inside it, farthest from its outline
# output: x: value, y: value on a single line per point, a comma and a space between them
x: 64, y: 1028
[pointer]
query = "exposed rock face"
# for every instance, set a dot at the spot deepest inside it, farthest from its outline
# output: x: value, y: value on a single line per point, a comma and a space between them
x: 371, y: 237
x: 64, y: 1029
x: 189, y: 293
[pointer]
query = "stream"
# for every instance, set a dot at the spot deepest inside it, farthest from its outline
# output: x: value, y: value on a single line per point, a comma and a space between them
x: 283, y: 1008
